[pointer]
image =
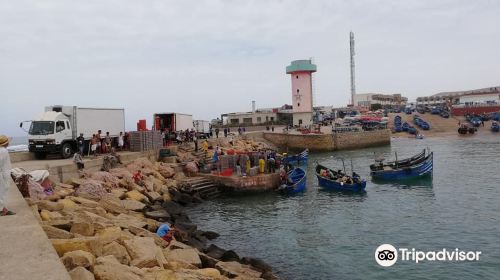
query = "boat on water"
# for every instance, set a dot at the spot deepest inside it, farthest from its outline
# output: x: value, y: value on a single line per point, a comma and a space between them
x: 330, y: 179
x: 495, y: 127
x: 298, y: 159
x: 417, y: 166
x: 295, y: 181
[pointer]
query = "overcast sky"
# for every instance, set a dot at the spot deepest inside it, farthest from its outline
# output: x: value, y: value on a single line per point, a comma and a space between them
x: 212, y: 57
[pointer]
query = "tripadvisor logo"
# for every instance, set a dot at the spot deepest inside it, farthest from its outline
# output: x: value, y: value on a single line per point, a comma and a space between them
x: 387, y: 255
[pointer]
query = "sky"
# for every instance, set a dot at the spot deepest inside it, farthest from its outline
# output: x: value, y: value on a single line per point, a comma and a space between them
x: 212, y: 57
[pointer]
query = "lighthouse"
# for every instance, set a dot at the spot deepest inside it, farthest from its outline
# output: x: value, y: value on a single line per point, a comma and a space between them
x: 301, y: 74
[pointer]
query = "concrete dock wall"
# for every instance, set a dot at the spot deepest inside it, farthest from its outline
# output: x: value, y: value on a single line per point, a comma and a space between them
x: 259, y: 183
x: 330, y: 142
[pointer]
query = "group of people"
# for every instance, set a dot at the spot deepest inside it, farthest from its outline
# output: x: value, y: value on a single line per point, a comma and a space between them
x: 340, y: 176
x: 266, y: 161
x: 100, y: 144
x: 226, y: 131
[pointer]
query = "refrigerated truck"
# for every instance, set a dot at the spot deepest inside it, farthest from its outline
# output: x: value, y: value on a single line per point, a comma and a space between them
x: 55, y: 130
x: 202, y: 128
x: 173, y: 122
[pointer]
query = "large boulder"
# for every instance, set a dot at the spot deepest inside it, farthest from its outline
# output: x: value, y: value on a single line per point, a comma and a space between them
x: 215, y: 251
x: 83, y: 228
x: 49, y: 205
x: 88, y: 244
x: 136, y: 195
x: 237, y: 270
x: 112, y: 204
x: 78, y: 258
x: 81, y: 273
x: 189, y: 256
x: 144, y: 252
x: 91, y: 189
x: 173, y: 208
x: 118, y: 251
x: 126, y: 221
x: 55, y: 233
x: 158, y: 214
x: 166, y: 171
x: 134, y: 205
x: 258, y: 264
x: 109, y: 234
x: 108, y: 268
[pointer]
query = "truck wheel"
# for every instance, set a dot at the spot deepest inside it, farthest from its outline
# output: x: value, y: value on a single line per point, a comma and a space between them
x: 66, y: 150
x: 40, y: 155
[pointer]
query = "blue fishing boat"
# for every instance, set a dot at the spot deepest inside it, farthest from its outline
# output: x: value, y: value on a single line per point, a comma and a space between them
x: 298, y: 159
x: 415, y: 167
x: 330, y: 179
x: 295, y: 182
x: 495, y: 127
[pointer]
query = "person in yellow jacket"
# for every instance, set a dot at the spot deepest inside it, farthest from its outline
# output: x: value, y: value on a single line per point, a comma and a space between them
x: 262, y: 165
x: 205, y: 146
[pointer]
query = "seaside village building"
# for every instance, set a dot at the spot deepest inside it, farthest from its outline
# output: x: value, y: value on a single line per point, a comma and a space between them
x: 371, y: 101
x: 300, y: 113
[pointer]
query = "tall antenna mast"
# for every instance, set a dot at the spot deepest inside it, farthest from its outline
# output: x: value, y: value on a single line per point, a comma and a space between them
x: 353, y: 83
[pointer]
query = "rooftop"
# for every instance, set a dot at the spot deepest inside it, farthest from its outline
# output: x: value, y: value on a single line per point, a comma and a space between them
x: 304, y: 65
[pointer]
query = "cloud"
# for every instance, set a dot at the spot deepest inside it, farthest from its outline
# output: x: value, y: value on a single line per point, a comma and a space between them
x: 211, y: 57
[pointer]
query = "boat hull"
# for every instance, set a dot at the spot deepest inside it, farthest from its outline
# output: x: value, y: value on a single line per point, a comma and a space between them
x: 422, y: 169
x: 336, y: 186
x: 299, y: 178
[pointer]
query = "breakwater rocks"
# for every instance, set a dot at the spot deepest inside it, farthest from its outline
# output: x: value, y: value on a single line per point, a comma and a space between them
x: 103, y: 226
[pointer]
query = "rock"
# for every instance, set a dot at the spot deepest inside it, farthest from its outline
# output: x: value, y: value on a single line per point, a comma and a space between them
x: 172, y: 207
x: 157, y: 273
x: 134, y: 205
x: 108, y: 268
x: 152, y: 225
x: 207, y: 261
x: 210, y: 235
x: 126, y: 221
x: 118, y: 251
x: 208, y: 272
x: 64, y: 223
x: 145, y: 233
x: 109, y: 234
x: 135, y: 195
x: 153, y: 196
x: 88, y: 244
x: 118, y: 193
x: 112, y: 204
x: 83, y: 201
x: 144, y: 252
x: 189, y: 256
x: 34, y: 209
x: 81, y: 273
x: 166, y: 171
x: 55, y: 233
x: 269, y: 275
x: 67, y: 204
x: 258, y: 264
x: 83, y: 228
x: 158, y: 214
x: 230, y: 256
x: 235, y: 269
x: 194, y: 242
x: 215, y: 251
x: 49, y: 216
x: 49, y: 205
x: 78, y: 258
x: 174, y: 244
x: 75, y: 182
x: 179, y: 197
x: 187, y: 227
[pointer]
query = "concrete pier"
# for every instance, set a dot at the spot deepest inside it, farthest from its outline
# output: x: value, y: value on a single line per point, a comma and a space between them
x: 25, y: 250
x: 258, y: 183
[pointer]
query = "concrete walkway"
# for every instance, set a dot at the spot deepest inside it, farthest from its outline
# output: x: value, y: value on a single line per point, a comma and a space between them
x: 25, y: 251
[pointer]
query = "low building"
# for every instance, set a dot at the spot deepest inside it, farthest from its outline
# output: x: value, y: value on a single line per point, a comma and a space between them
x: 368, y: 100
x: 455, y: 97
x: 281, y: 115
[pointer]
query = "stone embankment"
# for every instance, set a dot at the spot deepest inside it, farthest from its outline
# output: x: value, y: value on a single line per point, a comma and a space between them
x: 102, y: 225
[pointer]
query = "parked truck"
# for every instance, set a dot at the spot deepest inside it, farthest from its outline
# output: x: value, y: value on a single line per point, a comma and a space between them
x: 55, y: 131
x: 173, y: 122
x: 202, y: 128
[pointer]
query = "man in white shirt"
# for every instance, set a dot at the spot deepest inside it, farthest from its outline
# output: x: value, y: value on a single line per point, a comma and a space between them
x: 5, y: 178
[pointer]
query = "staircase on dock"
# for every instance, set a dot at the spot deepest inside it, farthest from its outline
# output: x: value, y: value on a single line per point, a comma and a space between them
x: 201, y: 186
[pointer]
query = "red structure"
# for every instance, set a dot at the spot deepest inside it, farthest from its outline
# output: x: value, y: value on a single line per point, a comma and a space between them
x: 474, y: 109
x: 141, y: 125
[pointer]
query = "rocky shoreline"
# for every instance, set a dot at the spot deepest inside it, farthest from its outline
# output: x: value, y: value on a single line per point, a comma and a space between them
x: 103, y: 226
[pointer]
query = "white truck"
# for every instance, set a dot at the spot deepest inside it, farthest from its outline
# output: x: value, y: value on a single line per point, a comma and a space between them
x: 55, y: 131
x: 173, y: 122
x: 202, y: 128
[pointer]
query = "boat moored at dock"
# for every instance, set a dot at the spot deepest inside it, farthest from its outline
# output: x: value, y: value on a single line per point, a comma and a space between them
x: 295, y: 182
x: 417, y: 166
x: 330, y: 179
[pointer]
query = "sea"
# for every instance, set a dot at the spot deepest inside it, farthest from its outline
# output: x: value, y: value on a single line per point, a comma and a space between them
x: 330, y: 235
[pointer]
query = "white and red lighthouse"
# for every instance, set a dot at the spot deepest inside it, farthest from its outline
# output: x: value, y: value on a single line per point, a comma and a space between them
x: 301, y: 74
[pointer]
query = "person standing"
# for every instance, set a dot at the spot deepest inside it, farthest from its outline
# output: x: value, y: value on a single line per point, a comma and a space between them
x: 120, y: 141
x: 81, y: 143
x: 225, y: 132
x: 5, y: 178
x: 195, y: 140
x: 99, y: 141
x: 107, y: 142
x: 93, y: 145
x: 217, y: 133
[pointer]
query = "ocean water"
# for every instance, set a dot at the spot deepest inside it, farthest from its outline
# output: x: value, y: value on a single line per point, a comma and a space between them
x: 330, y: 235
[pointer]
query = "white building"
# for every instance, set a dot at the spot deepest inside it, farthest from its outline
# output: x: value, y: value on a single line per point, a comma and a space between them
x: 480, y: 98
x: 385, y: 100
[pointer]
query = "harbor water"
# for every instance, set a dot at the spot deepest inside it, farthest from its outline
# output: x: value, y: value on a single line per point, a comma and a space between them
x: 330, y: 235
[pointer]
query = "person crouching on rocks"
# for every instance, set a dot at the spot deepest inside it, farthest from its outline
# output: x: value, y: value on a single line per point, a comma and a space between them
x: 138, y: 178
x: 77, y: 158
x: 166, y: 233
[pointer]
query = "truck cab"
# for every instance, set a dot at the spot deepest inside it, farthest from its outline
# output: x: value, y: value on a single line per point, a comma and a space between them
x: 51, y: 133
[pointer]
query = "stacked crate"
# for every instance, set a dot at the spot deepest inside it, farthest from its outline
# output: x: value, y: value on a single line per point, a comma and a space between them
x: 145, y: 140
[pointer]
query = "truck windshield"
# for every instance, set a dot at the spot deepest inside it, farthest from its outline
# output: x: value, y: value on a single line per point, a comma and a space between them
x: 41, y: 128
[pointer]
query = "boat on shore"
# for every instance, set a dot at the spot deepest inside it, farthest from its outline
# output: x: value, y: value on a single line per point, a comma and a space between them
x: 417, y: 166
x: 495, y: 127
x: 298, y: 159
x: 295, y: 182
x: 330, y: 179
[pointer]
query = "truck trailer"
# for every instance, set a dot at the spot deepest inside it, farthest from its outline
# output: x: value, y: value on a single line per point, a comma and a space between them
x: 173, y: 122
x: 55, y: 131
x: 202, y: 128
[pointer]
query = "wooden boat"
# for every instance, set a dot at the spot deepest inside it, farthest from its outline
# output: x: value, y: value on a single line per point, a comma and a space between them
x: 295, y: 183
x: 495, y: 127
x: 330, y: 179
x: 419, y: 167
x: 298, y: 159
x: 403, y: 162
